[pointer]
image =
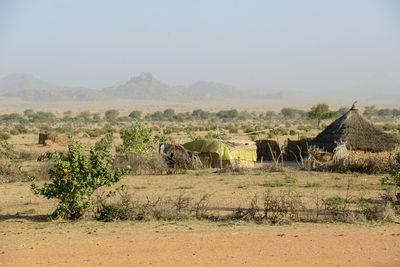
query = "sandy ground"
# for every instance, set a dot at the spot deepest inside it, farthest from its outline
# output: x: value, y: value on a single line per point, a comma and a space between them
x: 28, y: 239
x: 192, y: 243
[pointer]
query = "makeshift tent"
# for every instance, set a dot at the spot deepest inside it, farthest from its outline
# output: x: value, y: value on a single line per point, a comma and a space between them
x: 214, y: 152
x: 353, y: 130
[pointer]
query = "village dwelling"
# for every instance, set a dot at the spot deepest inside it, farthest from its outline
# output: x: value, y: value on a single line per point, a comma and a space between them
x: 357, y: 134
x: 222, y: 154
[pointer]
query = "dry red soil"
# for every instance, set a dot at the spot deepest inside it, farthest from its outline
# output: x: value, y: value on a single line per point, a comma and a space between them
x: 248, y: 245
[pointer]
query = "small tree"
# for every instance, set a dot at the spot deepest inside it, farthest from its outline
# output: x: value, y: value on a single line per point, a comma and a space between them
x: 200, y: 114
x: 342, y: 111
x: 6, y: 149
x: 85, y: 116
x: 111, y: 115
x: 370, y: 111
x: 29, y: 113
x: 321, y: 112
x: 169, y: 113
x: 136, y: 115
x: 76, y: 176
x: 138, y: 140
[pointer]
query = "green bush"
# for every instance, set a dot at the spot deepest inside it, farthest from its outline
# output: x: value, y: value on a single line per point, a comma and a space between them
x: 76, y: 176
x: 6, y: 149
x: 111, y: 115
x: 136, y: 115
x: 395, y: 172
x: 4, y: 136
x: 138, y: 140
x: 394, y: 179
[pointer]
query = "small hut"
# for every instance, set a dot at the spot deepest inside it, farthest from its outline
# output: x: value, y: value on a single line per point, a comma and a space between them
x: 216, y: 153
x: 357, y: 133
x: 267, y: 150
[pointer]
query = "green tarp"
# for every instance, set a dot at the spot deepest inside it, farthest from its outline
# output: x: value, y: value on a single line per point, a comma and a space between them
x: 216, y: 146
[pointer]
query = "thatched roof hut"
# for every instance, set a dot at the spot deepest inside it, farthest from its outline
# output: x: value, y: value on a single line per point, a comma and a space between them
x: 356, y: 132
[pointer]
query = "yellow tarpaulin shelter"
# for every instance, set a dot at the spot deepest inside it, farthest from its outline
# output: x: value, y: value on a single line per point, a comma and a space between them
x: 218, y: 147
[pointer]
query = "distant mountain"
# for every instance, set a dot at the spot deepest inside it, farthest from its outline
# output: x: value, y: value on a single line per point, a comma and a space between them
x: 379, y: 89
x: 144, y: 86
x: 20, y: 82
x: 29, y: 88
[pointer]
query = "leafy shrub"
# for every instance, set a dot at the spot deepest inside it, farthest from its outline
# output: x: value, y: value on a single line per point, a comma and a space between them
x: 96, y: 132
x: 393, y: 179
x: 6, y: 149
x: 21, y: 129
x: 136, y: 115
x: 43, y: 117
x: 111, y: 115
x: 76, y: 176
x: 4, y: 136
x: 138, y: 140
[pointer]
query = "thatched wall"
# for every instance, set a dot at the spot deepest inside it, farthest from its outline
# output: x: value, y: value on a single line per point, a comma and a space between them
x: 295, y: 150
x: 267, y: 150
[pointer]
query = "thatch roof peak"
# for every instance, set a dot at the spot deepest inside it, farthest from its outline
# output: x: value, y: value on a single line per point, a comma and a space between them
x: 354, y: 105
x: 356, y: 132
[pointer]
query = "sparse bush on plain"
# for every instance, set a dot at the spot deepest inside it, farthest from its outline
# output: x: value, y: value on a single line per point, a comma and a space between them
x: 153, y: 208
x: 76, y: 176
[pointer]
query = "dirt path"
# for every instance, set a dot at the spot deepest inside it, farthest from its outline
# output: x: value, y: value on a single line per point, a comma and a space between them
x: 250, y: 245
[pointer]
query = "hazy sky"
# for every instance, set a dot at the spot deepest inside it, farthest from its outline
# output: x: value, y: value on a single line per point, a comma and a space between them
x: 250, y: 44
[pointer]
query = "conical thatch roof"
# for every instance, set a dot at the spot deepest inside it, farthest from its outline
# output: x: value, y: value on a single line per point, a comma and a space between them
x: 357, y: 132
